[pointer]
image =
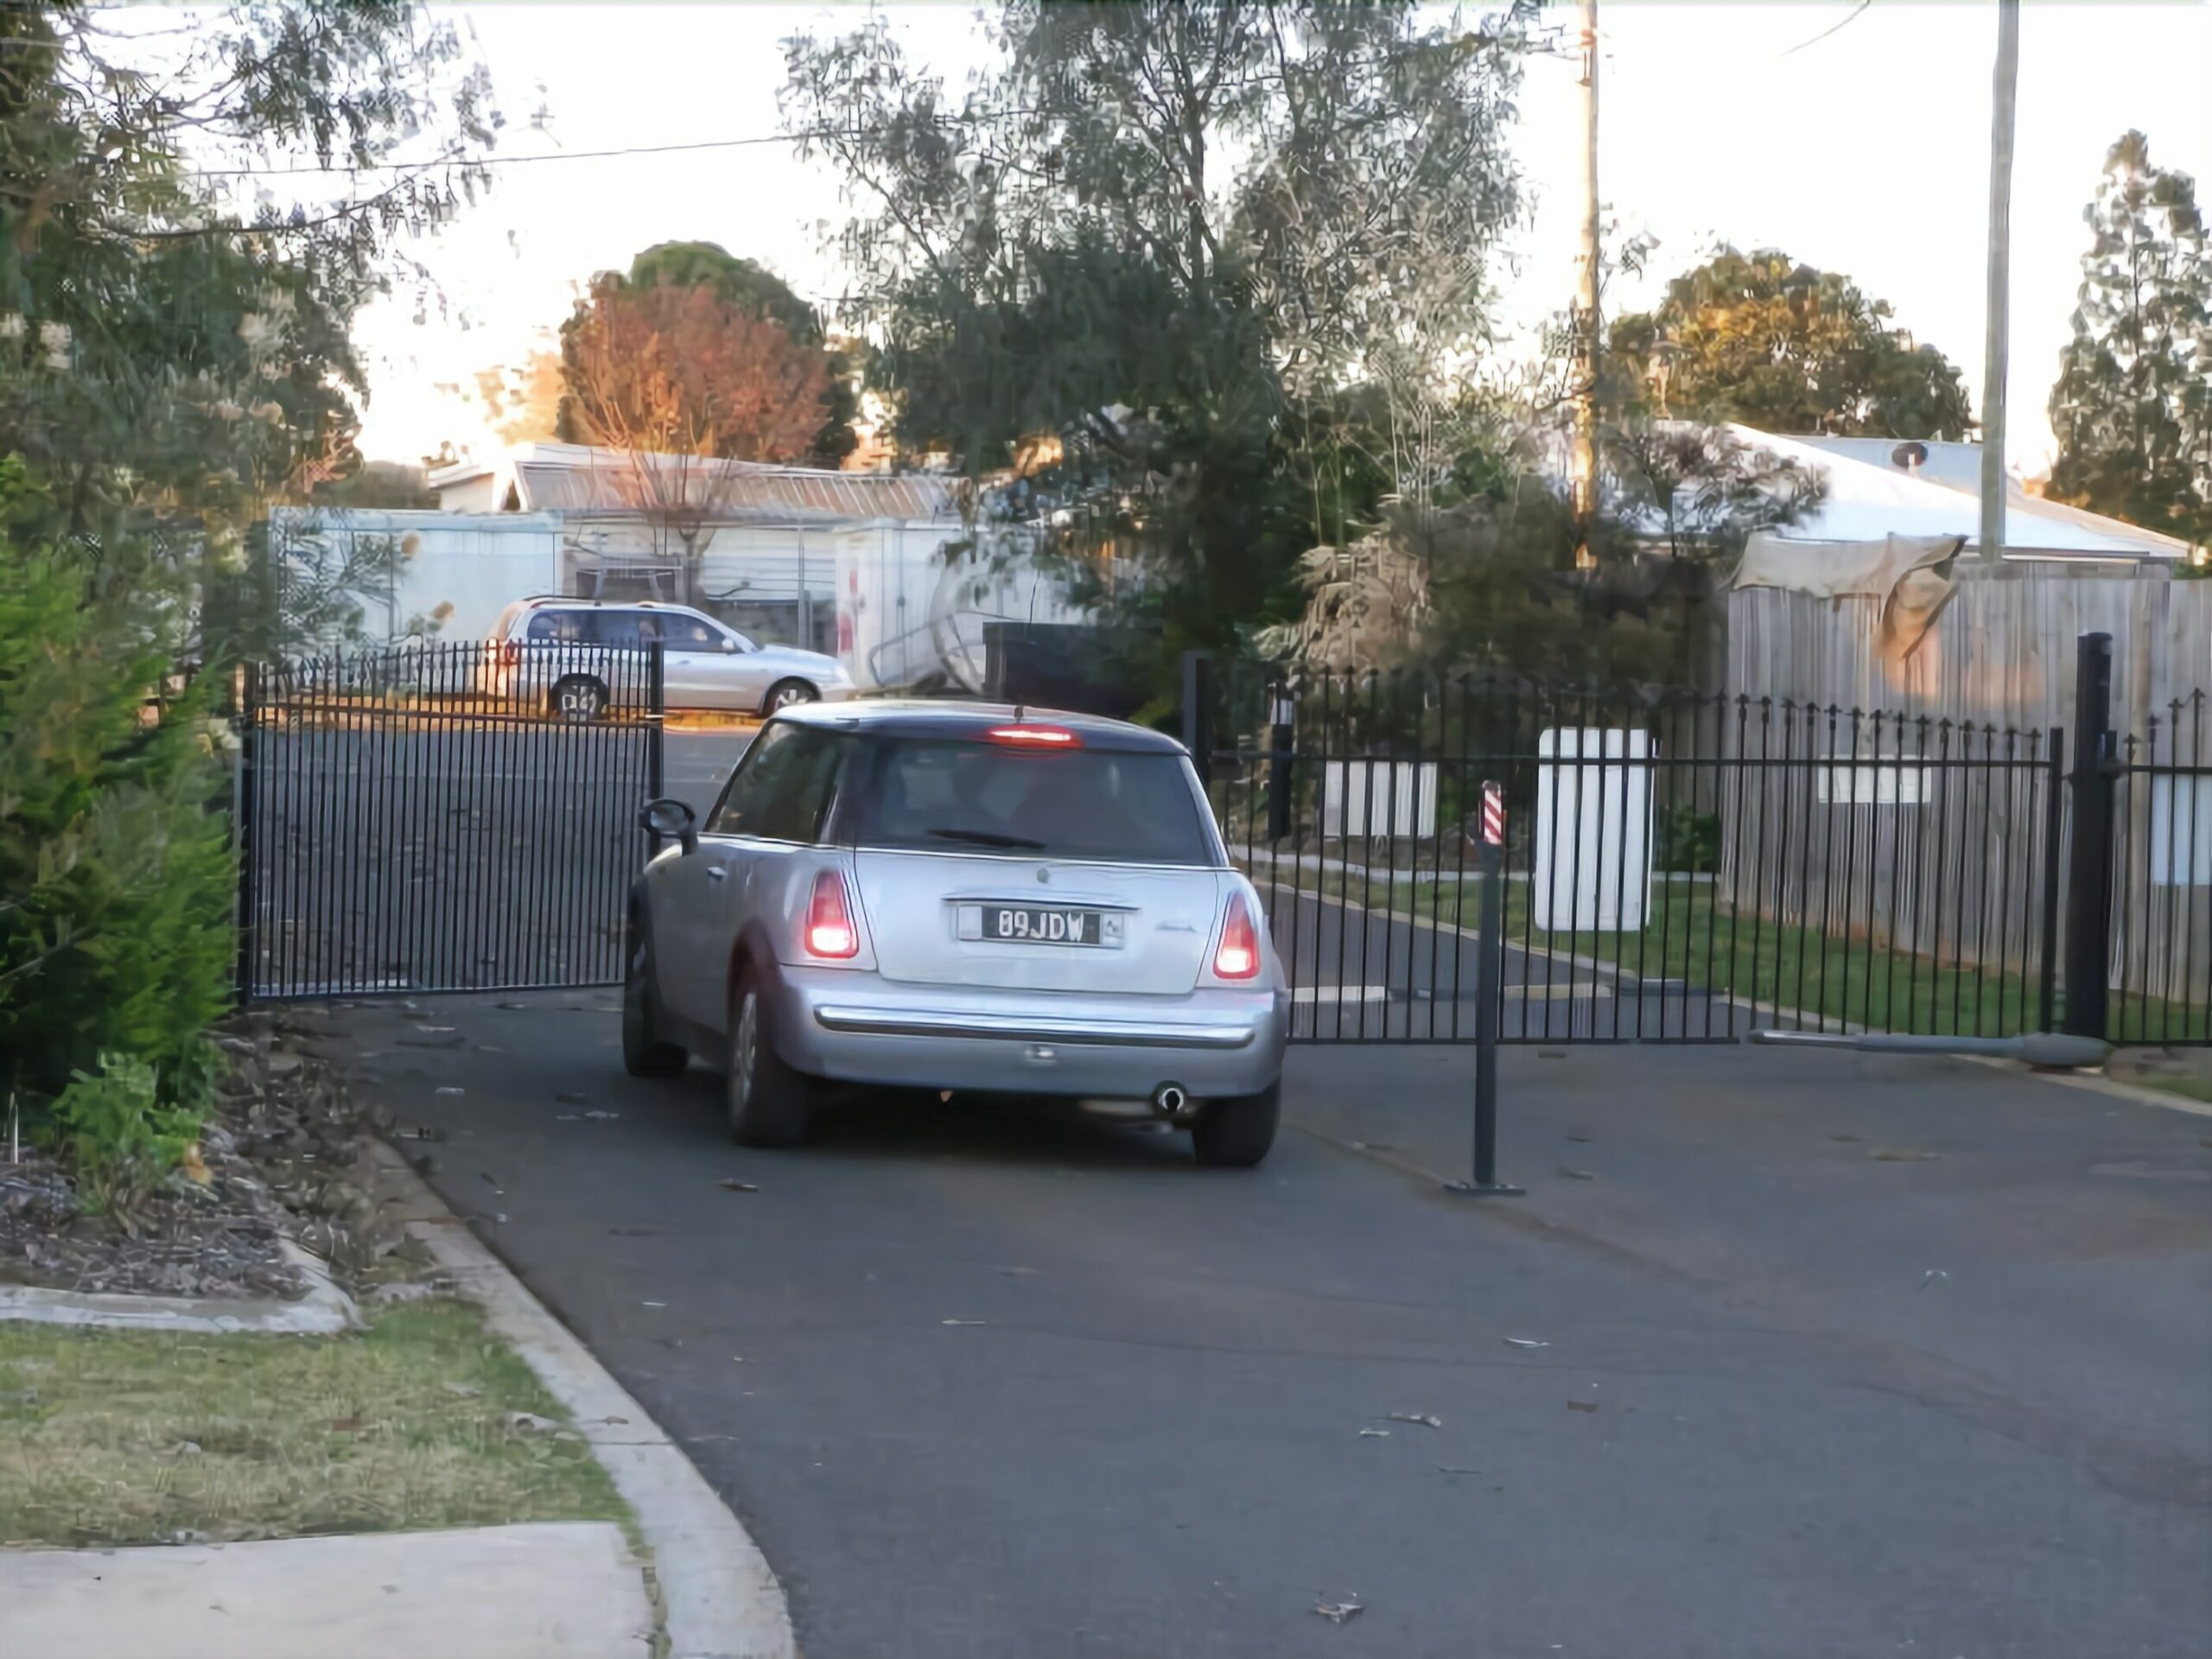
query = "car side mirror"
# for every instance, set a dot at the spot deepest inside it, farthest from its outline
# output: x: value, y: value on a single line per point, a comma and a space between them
x: 729, y: 645
x: 669, y: 819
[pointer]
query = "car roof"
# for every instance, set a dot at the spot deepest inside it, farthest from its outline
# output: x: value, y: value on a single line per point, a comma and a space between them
x: 583, y: 602
x: 921, y: 717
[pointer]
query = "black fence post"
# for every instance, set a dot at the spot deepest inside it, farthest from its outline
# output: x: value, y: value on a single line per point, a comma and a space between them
x: 2088, y: 876
x: 1489, y: 991
x: 242, y: 829
x: 2054, y: 840
x: 656, y: 719
x: 1198, y: 711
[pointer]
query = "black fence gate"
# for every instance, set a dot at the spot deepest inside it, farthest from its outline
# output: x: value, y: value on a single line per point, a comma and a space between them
x: 448, y: 818
x: 1682, y: 868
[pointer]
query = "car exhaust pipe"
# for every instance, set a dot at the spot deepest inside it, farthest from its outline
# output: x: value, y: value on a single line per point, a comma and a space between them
x: 1170, y: 1101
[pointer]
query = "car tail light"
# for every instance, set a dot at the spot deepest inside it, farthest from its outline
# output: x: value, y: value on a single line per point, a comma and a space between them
x: 1035, y: 737
x: 1238, y: 954
x: 830, y: 930
x: 511, y: 652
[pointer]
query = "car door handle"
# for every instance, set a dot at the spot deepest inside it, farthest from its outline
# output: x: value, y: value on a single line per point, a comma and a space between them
x: 717, y: 872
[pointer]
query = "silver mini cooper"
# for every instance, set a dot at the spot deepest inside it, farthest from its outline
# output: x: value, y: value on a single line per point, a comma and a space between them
x: 951, y: 896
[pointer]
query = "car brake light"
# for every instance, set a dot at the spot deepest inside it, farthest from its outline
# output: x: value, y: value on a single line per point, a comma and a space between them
x: 830, y: 930
x: 511, y: 652
x: 1035, y: 737
x: 1238, y: 957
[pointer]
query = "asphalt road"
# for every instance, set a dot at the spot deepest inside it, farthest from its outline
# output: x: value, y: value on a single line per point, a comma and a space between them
x: 998, y: 1381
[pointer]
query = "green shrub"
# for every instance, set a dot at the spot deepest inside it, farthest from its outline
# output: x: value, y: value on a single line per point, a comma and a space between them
x: 116, y: 879
x: 1689, y: 841
x: 115, y: 1128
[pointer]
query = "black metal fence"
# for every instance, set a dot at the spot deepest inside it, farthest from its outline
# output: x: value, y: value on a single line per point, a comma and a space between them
x: 1691, y: 869
x: 441, y: 818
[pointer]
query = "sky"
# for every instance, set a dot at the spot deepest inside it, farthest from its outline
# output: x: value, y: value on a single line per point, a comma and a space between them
x: 1863, y: 151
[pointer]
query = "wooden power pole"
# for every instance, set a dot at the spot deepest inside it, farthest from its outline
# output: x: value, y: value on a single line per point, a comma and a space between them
x: 1584, y: 460
x: 2003, y: 90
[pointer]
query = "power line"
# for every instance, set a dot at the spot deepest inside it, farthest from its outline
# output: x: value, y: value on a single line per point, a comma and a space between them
x: 1857, y: 12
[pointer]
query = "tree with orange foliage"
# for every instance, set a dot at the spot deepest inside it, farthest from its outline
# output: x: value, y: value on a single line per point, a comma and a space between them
x: 681, y: 371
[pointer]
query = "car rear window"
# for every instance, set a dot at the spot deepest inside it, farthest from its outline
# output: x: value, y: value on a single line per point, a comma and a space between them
x: 948, y: 795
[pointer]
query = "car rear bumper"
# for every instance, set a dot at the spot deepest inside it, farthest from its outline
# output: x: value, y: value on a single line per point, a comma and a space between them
x: 857, y: 1028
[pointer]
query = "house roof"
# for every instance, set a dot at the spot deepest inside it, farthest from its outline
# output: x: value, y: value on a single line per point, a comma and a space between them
x: 1866, y: 500
x: 581, y: 479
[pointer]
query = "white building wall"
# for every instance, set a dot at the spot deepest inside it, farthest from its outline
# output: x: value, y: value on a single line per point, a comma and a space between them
x: 453, y: 575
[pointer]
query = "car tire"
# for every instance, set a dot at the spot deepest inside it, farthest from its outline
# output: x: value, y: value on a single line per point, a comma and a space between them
x: 1235, y: 1131
x: 784, y: 694
x: 769, y: 1104
x: 577, y: 698
x: 644, y: 1055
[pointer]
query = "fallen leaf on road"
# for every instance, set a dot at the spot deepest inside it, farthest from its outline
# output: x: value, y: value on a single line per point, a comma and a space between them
x: 1374, y: 1433
x: 489, y: 1179
x: 1903, y: 1155
x: 1582, y: 1405
x: 737, y: 1187
x: 1573, y: 1134
x: 1426, y: 1419
x: 1525, y: 1342
x: 1573, y: 1174
x: 514, y: 1007
x: 652, y: 1304
x: 963, y: 1321
x: 1337, y: 1611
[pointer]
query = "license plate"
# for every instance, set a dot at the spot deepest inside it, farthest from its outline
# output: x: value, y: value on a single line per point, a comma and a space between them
x: 1039, y: 925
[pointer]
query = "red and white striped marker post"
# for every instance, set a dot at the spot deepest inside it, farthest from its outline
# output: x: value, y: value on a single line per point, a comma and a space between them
x: 1490, y: 966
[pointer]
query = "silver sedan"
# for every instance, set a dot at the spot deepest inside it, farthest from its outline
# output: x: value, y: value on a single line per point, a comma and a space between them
x: 948, y: 896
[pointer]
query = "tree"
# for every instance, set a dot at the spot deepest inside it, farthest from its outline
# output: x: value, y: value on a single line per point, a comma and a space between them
x: 757, y: 292
x: 523, y: 405
x: 1165, y: 237
x: 1760, y: 339
x: 168, y: 365
x: 680, y: 370
x: 2133, y: 406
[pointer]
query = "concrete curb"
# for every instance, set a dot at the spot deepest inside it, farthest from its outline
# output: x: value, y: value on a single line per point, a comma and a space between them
x: 721, y: 1598
x: 325, y: 1311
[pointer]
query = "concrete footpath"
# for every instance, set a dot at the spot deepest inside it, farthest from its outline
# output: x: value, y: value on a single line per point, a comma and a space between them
x: 542, y: 1592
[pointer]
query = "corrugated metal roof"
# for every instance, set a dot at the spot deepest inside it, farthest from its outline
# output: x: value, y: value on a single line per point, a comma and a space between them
x: 575, y: 479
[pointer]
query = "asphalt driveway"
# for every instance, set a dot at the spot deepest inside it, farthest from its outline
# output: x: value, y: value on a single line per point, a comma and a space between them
x: 1002, y: 1380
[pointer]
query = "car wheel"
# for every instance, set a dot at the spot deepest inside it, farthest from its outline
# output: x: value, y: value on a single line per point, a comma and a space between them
x: 578, y: 698
x: 784, y: 693
x: 644, y: 1055
x: 769, y: 1104
x: 1235, y: 1131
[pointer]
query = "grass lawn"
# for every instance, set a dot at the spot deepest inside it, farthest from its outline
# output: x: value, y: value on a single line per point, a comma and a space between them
x: 113, y: 1437
x: 1690, y: 936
